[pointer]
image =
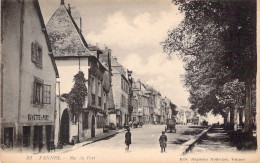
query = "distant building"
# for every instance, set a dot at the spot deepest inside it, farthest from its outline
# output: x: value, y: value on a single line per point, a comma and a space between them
x: 157, y: 109
x: 141, y: 96
x: 120, y: 87
x: 105, y: 59
x: 28, y: 78
x: 73, y: 54
x: 151, y: 103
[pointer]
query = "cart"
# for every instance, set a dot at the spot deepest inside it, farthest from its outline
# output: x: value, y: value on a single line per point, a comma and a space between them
x: 137, y: 124
x: 170, y: 125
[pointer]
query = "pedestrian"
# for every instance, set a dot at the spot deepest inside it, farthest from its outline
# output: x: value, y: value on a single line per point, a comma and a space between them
x: 163, y: 142
x: 127, y: 139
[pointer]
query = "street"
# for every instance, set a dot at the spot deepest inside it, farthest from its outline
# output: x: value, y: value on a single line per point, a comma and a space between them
x: 145, y: 141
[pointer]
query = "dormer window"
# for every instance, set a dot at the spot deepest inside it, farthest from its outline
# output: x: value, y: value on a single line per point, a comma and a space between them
x: 36, y: 53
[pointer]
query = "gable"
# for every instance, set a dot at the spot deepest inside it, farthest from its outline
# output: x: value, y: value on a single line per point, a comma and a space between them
x: 65, y: 38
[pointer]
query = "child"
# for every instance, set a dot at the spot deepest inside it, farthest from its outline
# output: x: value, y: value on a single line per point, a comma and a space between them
x: 163, y: 141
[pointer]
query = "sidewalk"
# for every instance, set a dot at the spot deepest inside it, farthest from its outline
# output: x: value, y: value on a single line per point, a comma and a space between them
x: 188, y: 145
x: 99, y: 137
x: 217, y: 139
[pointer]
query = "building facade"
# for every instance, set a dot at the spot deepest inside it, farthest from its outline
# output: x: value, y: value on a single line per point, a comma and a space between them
x: 72, y: 54
x: 120, y: 86
x: 28, y: 78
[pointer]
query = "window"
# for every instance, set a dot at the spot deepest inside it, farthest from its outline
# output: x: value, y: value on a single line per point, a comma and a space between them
x: 100, y: 121
x: 36, y: 54
x: 85, y: 121
x: 123, y: 101
x: 93, y: 91
x: 122, y: 83
x: 41, y: 92
x: 47, y: 94
x: 99, y: 93
x: 105, y: 101
x: 37, y: 92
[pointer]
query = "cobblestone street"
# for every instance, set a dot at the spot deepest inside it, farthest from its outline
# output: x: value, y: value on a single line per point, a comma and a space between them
x: 145, y: 140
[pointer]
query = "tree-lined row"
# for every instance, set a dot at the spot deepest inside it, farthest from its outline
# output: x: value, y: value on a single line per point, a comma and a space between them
x: 217, y: 42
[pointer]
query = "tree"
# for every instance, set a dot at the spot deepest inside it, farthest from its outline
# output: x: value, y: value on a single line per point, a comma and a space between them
x: 217, y: 41
x: 77, y: 96
x: 173, y: 108
x: 233, y: 97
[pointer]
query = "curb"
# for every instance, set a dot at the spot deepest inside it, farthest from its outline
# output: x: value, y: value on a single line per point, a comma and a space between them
x: 187, y: 146
x: 76, y: 146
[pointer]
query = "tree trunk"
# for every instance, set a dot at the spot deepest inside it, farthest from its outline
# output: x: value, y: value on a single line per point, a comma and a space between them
x: 240, y: 117
x: 248, y: 107
x: 232, y: 118
x: 225, y: 120
x: 235, y: 119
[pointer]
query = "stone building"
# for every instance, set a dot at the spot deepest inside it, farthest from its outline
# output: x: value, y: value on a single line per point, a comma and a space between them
x: 72, y: 54
x: 151, y: 103
x: 141, y: 111
x: 120, y: 86
x: 28, y: 78
x: 105, y: 59
x: 157, y: 109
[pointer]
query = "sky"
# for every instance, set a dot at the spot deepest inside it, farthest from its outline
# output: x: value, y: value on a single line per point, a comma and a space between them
x: 133, y: 30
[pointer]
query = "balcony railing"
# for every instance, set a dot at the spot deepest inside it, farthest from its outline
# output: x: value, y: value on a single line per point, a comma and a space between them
x: 93, y: 102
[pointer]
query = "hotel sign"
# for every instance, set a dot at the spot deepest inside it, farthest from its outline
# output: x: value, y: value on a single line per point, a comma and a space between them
x: 35, y: 117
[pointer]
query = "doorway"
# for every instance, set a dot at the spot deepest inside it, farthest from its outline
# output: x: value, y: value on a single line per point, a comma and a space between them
x: 49, y: 141
x: 26, y: 136
x: 64, y: 127
x: 8, y: 137
x: 37, y: 139
x: 93, y: 126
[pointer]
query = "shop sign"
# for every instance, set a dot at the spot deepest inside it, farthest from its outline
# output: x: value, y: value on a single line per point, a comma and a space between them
x: 35, y: 117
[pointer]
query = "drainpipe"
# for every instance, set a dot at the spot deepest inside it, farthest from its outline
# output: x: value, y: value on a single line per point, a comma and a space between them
x: 59, y: 112
x: 20, y: 73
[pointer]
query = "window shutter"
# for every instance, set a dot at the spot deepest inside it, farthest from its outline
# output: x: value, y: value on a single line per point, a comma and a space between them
x: 33, y: 51
x: 34, y: 92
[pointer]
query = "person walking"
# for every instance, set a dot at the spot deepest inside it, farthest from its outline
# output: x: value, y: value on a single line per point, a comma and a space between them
x: 127, y: 139
x: 163, y: 142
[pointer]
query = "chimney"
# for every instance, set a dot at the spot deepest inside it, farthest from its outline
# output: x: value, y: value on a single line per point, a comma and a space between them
x: 115, y: 58
x: 69, y: 9
x: 62, y: 2
x: 80, y: 24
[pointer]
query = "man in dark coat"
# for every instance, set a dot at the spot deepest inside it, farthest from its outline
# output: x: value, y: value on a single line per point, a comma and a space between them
x: 163, y: 142
x: 128, y: 139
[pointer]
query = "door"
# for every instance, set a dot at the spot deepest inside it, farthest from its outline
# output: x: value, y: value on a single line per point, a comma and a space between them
x: 8, y: 137
x: 64, y: 127
x: 93, y: 126
x: 48, y: 132
x: 37, y: 139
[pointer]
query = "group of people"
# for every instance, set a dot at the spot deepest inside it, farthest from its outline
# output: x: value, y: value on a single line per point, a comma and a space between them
x: 162, y: 140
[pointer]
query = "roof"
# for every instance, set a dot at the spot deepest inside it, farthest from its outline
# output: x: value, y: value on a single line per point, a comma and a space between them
x: 37, y: 6
x: 65, y: 36
x: 105, y: 58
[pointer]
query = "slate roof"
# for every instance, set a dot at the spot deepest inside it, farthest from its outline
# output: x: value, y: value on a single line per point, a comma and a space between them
x: 104, y: 58
x: 65, y: 36
x: 117, y: 67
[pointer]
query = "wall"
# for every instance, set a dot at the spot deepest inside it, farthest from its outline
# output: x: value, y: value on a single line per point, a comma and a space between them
x: 68, y: 68
x: 10, y: 59
x: 33, y: 32
x: 117, y: 93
